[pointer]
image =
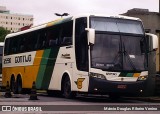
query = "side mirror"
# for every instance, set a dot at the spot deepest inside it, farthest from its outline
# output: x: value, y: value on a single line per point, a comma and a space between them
x: 153, y: 41
x: 91, y: 35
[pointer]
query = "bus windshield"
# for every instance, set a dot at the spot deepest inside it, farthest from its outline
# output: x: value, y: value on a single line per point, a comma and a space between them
x: 116, y: 25
x: 114, y: 51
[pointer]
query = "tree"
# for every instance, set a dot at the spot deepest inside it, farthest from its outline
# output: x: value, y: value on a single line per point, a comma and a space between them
x: 3, y: 33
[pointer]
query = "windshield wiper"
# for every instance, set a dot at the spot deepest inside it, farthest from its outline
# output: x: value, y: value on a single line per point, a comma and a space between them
x: 119, y: 54
x: 128, y: 57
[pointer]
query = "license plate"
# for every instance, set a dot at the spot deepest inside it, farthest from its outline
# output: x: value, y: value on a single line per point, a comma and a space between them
x: 122, y: 86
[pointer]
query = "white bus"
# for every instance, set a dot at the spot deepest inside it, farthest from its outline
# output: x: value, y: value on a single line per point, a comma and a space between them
x: 93, y: 54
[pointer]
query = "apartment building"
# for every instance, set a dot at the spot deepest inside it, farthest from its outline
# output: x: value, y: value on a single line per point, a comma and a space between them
x: 14, y: 22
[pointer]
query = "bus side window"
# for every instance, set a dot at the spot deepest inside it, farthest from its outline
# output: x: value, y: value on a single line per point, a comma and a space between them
x: 67, y: 41
x: 14, y: 46
x: 33, y: 40
x: 52, y: 37
x: 22, y: 46
x: 66, y: 36
x: 6, y: 47
x: 53, y: 34
x: 30, y: 42
x: 41, y: 42
x: 37, y: 45
x: 53, y: 42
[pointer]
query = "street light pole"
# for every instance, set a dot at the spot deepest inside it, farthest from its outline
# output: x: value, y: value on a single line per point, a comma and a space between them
x: 64, y: 14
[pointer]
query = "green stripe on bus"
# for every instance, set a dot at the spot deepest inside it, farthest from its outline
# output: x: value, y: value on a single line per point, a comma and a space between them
x: 130, y: 75
x: 42, y: 68
x: 46, y: 68
x: 50, y: 68
x: 123, y: 74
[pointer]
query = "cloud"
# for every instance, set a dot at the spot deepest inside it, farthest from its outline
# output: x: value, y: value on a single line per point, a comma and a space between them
x: 43, y: 10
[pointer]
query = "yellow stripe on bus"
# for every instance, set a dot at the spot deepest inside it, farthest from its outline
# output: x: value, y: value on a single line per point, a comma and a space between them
x: 136, y: 75
x: 38, y: 57
x: 53, y: 22
x: 31, y: 72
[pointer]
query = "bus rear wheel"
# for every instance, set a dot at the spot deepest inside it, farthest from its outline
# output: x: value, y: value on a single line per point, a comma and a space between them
x: 66, y: 89
x: 18, y: 85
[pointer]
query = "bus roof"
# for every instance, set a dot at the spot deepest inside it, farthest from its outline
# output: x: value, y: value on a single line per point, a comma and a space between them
x: 62, y: 20
x: 110, y: 16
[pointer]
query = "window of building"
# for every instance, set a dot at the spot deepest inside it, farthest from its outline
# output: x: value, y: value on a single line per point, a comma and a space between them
x: 31, y: 19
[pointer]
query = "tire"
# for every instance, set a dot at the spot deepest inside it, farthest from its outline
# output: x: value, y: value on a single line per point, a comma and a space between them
x: 13, y: 85
x: 19, y: 85
x: 66, y: 89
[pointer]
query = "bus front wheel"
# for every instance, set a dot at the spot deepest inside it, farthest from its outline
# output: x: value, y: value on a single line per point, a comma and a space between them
x: 66, y: 89
x: 19, y: 84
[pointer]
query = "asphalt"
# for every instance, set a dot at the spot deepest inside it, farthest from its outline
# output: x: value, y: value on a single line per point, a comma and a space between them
x: 154, y: 99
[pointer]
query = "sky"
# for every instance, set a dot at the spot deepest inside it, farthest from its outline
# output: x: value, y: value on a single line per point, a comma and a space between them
x: 44, y: 10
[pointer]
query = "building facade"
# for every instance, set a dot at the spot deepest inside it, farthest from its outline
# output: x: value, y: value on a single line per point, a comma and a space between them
x: 14, y: 22
x: 151, y: 22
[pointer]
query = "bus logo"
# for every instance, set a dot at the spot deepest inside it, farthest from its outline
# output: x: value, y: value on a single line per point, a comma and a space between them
x: 79, y: 82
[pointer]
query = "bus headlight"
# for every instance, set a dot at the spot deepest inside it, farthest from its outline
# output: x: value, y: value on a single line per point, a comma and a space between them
x: 96, y: 75
x: 141, y: 78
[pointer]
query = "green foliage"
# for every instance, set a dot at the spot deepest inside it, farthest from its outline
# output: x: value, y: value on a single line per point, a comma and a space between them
x: 3, y: 33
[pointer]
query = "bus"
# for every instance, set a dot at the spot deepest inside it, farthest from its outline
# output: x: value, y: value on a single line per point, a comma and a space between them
x: 1, y: 53
x: 93, y: 54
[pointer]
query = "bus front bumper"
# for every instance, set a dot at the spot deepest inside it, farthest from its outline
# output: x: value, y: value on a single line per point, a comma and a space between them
x: 99, y: 86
